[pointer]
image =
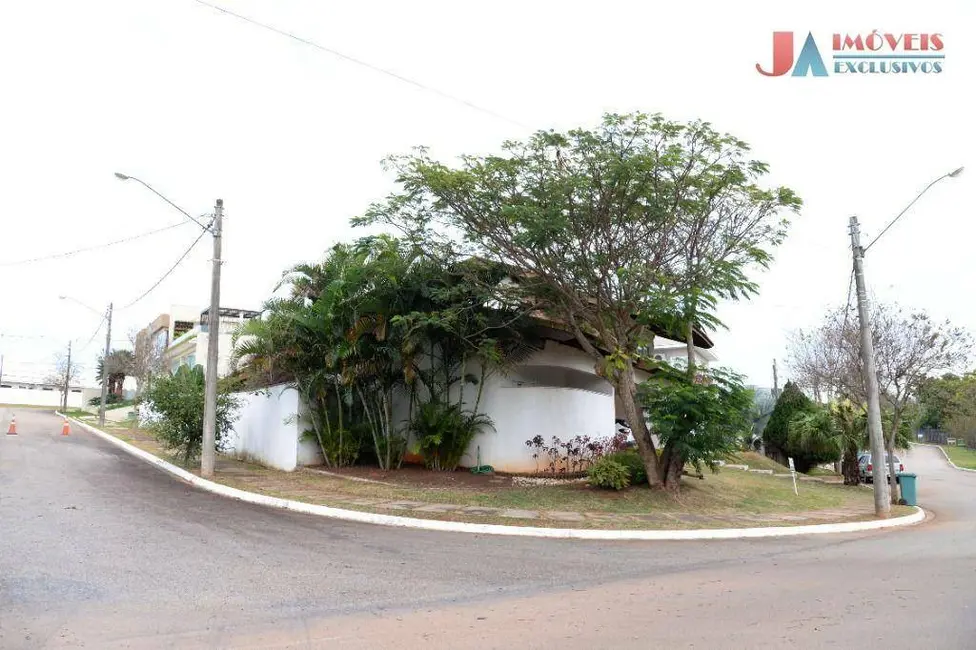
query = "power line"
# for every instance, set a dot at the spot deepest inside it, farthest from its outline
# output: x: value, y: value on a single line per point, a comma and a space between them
x: 360, y: 62
x: 171, y: 269
x: 92, y: 248
x: 94, y: 334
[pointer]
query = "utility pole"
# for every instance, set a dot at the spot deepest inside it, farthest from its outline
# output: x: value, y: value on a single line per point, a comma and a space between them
x: 1, y: 368
x: 775, y: 381
x: 207, y: 453
x: 67, y: 380
x: 108, y: 342
x: 882, y: 502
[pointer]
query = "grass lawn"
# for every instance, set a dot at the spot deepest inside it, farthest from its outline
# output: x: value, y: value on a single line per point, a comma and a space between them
x: 821, y: 471
x: 729, y: 498
x: 962, y: 456
x: 758, y: 461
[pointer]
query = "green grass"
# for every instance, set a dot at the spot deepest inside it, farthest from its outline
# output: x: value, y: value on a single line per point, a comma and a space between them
x: 758, y: 461
x: 727, y: 492
x: 962, y: 456
x: 820, y: 471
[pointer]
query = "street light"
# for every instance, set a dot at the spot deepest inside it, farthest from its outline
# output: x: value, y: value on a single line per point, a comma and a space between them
x: 953, y: 174
x: 882, y: 504
x: 108, y: 342
x: 207, y: 454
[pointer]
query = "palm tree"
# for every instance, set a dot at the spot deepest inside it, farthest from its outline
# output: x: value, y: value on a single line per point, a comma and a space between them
x: 119, y: 365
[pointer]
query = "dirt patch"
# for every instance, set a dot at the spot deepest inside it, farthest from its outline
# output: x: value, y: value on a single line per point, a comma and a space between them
x: 419, y: 476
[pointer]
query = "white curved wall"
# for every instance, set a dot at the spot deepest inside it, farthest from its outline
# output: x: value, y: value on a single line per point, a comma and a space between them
x: 520, y: 413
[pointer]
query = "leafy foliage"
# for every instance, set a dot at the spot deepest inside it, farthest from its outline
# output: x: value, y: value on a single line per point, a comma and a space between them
x: 634, y: 464
x: 178, y: 401
x: 610, y: 474
x: 378, y: 321
x: 791, y: 403
x: 699, y: 419
x: 618, y: 234
x: 444, y: 431
x: 575, y: 454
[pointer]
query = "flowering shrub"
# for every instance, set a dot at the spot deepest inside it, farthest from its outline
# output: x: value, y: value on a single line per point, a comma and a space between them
x: 576, y: 454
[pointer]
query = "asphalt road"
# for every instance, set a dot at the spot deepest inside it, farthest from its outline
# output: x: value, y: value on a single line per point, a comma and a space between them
x: 100, y: 550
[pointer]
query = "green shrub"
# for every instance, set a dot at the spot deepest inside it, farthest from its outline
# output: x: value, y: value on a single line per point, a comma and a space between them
x: 632, y: 460
x: 110, y: 399
x: 610, y: 474
x: 444, y: 431
x: 178, y: 401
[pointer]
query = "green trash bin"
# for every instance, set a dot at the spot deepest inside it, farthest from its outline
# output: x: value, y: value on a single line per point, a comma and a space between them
x: 908, y: 493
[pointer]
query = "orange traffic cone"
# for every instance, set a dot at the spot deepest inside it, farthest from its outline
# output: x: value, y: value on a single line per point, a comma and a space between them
x: 66, y: 429
x: 12, y: 430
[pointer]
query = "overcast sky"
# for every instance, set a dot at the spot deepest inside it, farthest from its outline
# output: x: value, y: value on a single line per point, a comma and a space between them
x: 202, y: 105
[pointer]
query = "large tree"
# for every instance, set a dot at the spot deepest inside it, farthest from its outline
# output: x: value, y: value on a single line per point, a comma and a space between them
x: 632, y: 229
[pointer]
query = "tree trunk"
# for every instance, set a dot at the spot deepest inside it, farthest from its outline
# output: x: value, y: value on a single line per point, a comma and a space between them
x: 626, y: 388
x: 850, y: 470
x: 671, y: 468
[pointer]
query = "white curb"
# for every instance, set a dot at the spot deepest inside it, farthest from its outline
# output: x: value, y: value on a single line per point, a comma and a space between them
x: 948, y: 460
x: 496, y: 529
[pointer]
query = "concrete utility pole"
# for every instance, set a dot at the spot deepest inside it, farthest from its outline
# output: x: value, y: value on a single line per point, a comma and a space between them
x: 882, y: 502
x: 67, y: 380
x: 108, y: 342
x: 207, y: 453
x: 775, y: 381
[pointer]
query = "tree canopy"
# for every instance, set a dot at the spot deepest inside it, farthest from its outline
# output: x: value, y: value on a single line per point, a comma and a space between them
x: 637, y: 227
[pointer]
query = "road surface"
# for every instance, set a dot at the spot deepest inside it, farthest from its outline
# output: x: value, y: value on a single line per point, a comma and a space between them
x: 100, y: 550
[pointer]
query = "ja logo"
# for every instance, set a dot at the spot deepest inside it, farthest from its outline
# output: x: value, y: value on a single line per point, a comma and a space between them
x: 809, y: 61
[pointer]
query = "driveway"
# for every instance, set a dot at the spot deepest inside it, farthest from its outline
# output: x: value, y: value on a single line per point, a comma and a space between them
x: 100, y: 550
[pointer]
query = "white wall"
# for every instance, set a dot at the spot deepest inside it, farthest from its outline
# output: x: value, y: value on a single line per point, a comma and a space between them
x: 522, y: 412
x: 267, y: 431
x: 38, y: 397
x: 556, y: 392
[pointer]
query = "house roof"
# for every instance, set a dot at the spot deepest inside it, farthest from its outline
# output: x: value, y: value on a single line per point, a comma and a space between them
x: 700, y: 337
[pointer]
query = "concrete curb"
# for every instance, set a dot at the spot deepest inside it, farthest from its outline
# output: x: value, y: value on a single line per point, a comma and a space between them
x: 496, y: 529
x: 948, y: 460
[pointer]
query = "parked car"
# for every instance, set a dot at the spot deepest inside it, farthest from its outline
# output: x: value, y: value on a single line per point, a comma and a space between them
x: 866, y: 468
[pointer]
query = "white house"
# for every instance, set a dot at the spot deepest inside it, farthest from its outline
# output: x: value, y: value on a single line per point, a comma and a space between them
x: 555, y: 392
x: 181, y: 336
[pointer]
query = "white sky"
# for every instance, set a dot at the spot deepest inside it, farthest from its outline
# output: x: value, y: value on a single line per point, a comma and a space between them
x: 201, y: 105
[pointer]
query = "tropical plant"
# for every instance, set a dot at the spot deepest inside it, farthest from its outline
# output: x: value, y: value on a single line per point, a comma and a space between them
x: 444, y: 431
x: 699, y: 419
x: 376, y: 323
x: 177, y: 402
x: 610, y: 474
x: 630, y: 459
x: 119, y: 364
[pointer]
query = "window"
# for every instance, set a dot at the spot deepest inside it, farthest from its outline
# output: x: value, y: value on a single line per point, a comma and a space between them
x: 191, y: 360
x: 181, y: 327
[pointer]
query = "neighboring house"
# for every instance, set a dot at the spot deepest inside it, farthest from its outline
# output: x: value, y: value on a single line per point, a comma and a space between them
x: 190, y: 347
x: 32, y: 393
x: 181, y: 336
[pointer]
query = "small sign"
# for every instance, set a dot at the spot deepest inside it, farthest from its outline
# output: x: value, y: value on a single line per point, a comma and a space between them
x: 793, y: 474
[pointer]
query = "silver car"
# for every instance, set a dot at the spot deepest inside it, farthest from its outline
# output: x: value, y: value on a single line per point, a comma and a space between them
x: 866, y: 468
